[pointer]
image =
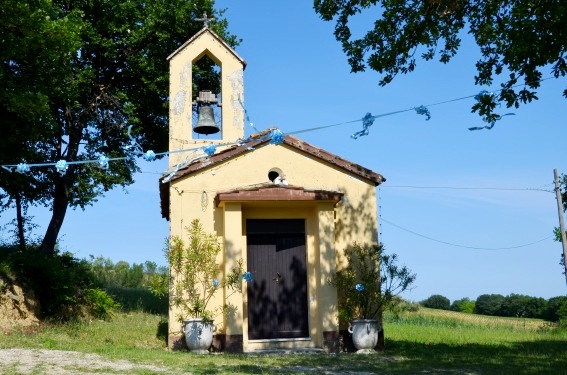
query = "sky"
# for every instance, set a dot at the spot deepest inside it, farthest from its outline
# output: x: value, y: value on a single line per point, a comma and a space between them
x: 461, y: 242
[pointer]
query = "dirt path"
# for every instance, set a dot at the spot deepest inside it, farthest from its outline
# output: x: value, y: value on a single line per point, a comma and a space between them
x: 58, y: 362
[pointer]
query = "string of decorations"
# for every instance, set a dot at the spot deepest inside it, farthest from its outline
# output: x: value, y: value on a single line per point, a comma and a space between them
x: 275, y: 137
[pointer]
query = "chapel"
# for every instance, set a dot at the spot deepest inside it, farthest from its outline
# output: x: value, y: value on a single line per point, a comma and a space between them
x: 287, y: 209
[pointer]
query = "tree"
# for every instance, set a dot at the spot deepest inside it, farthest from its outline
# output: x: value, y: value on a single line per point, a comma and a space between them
x: 35, y: 53
x: 553, y: 306
x: 436, y: 301
x: 463, y: 305
x: 516, y: 38
x: 75, y: 76
x: 489, y: 304
x: 520, y: 306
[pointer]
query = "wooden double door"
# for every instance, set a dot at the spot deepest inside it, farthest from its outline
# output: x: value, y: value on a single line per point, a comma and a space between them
x: 277, y: 295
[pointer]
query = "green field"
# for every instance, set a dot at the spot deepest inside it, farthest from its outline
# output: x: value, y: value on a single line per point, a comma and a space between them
x: 428, y: 341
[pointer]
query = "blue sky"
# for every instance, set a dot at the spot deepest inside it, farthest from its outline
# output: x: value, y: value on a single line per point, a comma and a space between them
x: 297, y: 77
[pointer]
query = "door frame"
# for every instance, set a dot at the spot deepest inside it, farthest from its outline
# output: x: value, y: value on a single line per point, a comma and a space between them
x: 296, y: 310
x: 308, y: 214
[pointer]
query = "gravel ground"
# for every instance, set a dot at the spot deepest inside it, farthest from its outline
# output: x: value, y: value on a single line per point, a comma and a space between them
x: 57, y: 362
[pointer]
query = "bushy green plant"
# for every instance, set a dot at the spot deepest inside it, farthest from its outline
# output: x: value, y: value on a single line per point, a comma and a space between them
x: 370, y: 282
x: 60, y: 282
x: 100, y: 304
x: 436, y: 301
x: 194, y: 273
x: 464, y: 305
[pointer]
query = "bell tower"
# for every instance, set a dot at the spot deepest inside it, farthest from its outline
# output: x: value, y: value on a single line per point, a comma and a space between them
x: 197, y: 115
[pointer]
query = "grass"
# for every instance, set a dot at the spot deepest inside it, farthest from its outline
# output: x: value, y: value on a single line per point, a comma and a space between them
x: 429, y: 341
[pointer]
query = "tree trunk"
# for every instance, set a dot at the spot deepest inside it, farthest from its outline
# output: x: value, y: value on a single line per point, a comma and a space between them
x: 60, y: 204
x: 20, y: 222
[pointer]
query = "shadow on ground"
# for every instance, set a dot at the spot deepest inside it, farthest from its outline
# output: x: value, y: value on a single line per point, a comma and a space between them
x: 404, y: 357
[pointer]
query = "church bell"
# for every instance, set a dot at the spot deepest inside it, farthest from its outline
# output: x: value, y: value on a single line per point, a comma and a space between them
x: 206, y: 123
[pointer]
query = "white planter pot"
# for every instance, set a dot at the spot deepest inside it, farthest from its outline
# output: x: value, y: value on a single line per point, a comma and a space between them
x: 198, y: 335
x: 364, y: 334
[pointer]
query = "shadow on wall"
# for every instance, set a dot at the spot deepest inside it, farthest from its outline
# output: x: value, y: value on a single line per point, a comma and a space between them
x: 353, y: 220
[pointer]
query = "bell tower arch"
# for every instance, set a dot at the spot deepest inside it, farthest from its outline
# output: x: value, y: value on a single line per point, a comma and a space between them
x: 183, y: 98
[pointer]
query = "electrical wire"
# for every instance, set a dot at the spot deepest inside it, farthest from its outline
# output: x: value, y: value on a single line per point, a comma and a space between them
x: 464, y: 246
x: 467, y: 188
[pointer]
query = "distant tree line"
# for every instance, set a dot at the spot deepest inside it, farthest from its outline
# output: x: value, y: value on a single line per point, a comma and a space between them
x: 131, y: 285
x: 122, y: 274
x: 513, y: 305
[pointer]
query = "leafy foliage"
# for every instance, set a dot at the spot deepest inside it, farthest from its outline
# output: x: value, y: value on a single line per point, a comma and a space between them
x: 517, y: 38
x: 464, y: 305
x: 370, y: 282
x: 436, y: 301
x: 489, y: 304
x: 195, y: 273
x: 131, y: 285
x: 122, y: 274
x: 73, y: 77
x: 61, y: 283
x: 100, y: 304
x: 521, y: 306
x: 556, y: 309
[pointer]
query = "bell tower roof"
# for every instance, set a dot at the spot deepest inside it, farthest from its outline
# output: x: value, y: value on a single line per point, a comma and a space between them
x: 218, y: 39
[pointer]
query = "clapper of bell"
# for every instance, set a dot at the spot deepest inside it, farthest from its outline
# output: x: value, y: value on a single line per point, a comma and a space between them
x: 206, y: 123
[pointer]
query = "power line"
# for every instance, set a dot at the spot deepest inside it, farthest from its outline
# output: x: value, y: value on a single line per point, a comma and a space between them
x: 464, y: 246
x: 467, y: 188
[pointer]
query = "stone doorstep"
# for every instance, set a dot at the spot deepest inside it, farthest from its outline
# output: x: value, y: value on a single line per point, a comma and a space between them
x: 286, y: 351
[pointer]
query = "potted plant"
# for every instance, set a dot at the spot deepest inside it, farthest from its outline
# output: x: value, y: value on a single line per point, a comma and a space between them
x: 366, y: 286
x: 194, y: 280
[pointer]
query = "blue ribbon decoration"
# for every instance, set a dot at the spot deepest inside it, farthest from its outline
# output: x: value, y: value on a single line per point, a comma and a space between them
x: 246, y: 117
x: 210, y: 149
x: 423, y: 110
x: 22, y: 168
x: 248, y: 277
x: 367, y: 122
x: 491, y: 125
x: 175, y: 170
x: 359, y: 287
x: 61, y: 167
x: 135, y: 147
x: 149, y: 156
x: 277, y: 137
x: 102, y: 162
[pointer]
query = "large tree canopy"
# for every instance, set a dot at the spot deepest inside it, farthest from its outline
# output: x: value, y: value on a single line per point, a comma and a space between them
x: 74, y: 75
x: 524, y: 39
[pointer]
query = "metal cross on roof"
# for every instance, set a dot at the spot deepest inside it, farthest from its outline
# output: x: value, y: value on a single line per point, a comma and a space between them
x: 205, y: 19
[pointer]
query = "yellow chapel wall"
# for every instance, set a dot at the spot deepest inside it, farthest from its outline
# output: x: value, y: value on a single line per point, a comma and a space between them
x: 354, y: 218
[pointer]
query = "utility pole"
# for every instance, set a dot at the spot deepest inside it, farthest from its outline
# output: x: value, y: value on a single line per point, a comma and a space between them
x: 561, y: 220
